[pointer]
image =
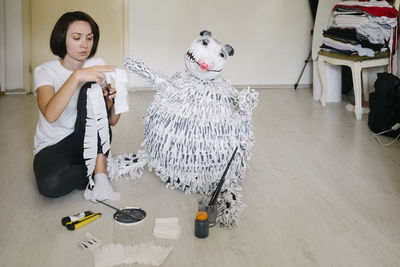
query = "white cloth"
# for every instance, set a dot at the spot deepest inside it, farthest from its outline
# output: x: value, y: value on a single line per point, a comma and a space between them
x: 377, y: 30
x: 120, y: 79
x: 54, y: 74
x: 101, y: 190
x: 115, y: 254
x: 168, y: 228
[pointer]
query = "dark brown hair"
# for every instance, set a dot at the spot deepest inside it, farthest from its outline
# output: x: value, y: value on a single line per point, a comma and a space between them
x: 58, y: 35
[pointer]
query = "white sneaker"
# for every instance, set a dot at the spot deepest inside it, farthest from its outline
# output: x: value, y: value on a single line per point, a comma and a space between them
x: 102, y: 189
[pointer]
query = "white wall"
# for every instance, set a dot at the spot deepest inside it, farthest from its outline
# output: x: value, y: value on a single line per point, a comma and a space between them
x: 13, y: 45
x: 2, y: 47
x: 271, y: 38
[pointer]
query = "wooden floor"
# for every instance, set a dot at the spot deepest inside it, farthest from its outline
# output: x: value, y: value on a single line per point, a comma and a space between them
x: 320, y: 191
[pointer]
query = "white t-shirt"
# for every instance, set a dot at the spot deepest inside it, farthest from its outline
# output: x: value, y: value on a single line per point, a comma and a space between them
x: 54, y: 74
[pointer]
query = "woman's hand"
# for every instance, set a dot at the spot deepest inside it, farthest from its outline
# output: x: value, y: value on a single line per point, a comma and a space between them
x: 110, y: 93
x: 52, y: 104
x: 93, y: 74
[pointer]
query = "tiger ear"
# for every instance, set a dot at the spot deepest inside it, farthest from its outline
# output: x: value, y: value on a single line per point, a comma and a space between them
x: 229, y: 49
x: 205, y: 33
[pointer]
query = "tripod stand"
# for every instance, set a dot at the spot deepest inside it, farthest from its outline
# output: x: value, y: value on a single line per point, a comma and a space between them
x: 304, y: 67
x: 313, y: 7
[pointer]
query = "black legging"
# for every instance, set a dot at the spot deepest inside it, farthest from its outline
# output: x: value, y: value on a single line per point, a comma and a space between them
x: 60, y: 168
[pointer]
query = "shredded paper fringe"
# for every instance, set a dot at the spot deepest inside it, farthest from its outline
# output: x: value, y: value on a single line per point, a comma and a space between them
x: 96, y: 127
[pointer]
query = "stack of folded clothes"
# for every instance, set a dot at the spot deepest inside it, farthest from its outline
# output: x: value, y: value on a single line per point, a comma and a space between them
x: 361, y: 28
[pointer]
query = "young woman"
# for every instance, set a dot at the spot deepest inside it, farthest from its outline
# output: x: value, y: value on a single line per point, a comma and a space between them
x: 60, y: 86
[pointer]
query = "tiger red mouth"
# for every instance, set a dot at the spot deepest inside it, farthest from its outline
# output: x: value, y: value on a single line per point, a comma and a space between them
x: 203, y: 66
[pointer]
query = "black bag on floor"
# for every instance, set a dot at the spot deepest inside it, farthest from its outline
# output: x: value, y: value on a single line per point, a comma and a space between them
x: 384, y: 105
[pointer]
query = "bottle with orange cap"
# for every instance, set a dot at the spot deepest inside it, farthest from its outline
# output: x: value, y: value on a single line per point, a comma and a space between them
x: 201, y: 224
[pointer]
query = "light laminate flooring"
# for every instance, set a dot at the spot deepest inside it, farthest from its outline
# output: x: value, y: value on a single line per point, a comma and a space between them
x: 319, y: 190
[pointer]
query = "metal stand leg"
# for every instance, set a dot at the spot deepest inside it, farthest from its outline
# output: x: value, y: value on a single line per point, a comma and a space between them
x: 304, y: 67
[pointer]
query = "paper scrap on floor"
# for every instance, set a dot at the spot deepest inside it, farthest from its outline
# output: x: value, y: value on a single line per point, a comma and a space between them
x: 115, y: 254
x: 167, y: 228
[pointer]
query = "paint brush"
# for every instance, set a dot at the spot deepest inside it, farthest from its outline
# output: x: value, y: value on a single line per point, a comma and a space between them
x: 221, y: 182
x: 120, y: 211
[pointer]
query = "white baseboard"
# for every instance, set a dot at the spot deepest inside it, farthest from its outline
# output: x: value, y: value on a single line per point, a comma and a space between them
x: 240, y: 86
x: 15, y: 92
x: 273, y: 86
